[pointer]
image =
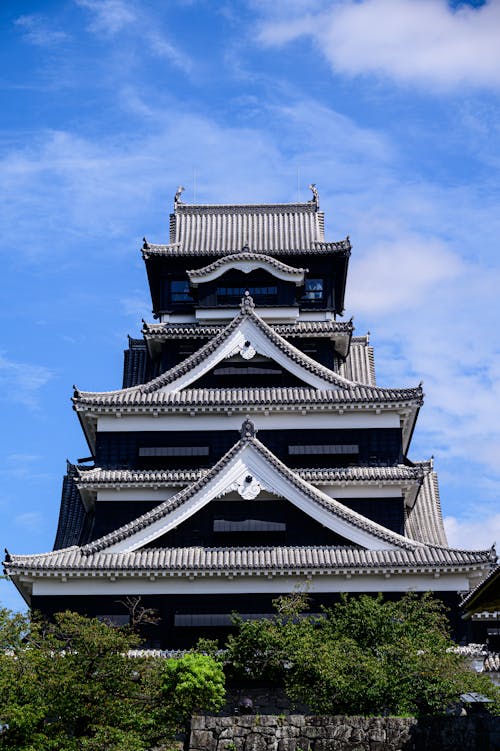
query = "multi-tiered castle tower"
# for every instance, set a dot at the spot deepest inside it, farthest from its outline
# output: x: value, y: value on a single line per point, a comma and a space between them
x: 250, y: 450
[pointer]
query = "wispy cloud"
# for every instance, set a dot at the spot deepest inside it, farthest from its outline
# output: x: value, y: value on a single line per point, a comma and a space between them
x: 162, y: 47
x: 112, y: 18
x: 424, y: 42
x: 37, y: 29
x: 22, y: 382
x: 109, y: 16
x: 473, y: 534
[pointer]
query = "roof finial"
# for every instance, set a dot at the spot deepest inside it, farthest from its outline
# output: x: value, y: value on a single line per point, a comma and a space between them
x: 247, y: 302
x: 493, y: 553
x: 315, y: 198
x: 177, y: 197
x: 248, y: 429
x: 246, y: 247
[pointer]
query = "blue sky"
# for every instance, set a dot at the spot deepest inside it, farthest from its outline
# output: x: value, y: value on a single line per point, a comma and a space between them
x: 391, y: 106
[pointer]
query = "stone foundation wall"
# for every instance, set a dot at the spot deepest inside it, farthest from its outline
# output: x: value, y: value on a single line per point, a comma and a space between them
x: 309, y: 733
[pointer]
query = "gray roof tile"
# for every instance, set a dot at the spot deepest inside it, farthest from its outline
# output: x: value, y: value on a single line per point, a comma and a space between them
x: 201, y: 330
x: 358, y: 475
x: 346, y: 391
x: 272, y: 228
x: 424, y: 521
x: 283, y: 560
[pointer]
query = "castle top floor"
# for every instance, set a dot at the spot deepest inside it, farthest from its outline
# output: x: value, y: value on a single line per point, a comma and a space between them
x: 276, y: 251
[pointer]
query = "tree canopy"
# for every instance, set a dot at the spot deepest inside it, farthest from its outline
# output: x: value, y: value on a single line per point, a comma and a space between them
x: 362, y: 656
x: 70, y: 684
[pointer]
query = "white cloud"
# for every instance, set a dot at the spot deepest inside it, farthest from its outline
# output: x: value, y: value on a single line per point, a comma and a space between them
x: 473, y: 534
x: 412, y: 41
x: 37, y: 30
x: 21, y: 382
x: 397, y: 275
x: 162, y: 47
x: 109, y: 16
x: 430, y: 299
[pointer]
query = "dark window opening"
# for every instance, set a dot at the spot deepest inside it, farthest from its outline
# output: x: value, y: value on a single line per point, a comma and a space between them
x: 247, y: 370
x: 179, y: 291
x: 313, y: 290
x: 325, y: 449
x: 264, y: 294
x: 174, y: 451
x: 248, y: 525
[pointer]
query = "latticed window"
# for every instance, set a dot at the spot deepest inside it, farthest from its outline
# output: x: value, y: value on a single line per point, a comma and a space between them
x: 234, y: 294
x: 179, y: 291
x: 314, y: 289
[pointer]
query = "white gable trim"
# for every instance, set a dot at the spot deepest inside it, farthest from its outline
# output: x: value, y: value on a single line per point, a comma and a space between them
x: 214, y: 271
x: 250, y: 462
x: 247, y: 340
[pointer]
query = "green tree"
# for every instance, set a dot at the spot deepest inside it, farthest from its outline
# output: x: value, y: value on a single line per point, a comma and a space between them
x: 364, y: 656
x: 70, y: 685
x: 192, y: 683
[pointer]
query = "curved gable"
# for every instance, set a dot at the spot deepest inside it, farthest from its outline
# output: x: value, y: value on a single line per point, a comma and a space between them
x: 246, y: 262
x: 248, y: 468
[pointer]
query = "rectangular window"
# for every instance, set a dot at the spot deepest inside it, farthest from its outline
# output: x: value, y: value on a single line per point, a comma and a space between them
x: 174, y: 451
x: 215, y: 619
x: 179, y: 291
x: 235, y: 370
x: 234, y: 294
x: 322, y: 449
x: 248, y: 525
x: 313, y: 290
x: 225, y: 619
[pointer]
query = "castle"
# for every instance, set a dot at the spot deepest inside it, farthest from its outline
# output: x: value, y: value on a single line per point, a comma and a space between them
x: 250, y: 450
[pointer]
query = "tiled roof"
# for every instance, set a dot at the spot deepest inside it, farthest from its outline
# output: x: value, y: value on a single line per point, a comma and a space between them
x: 152, y: 250
x: 348, y: 391
x: 247, y: 312
x: 333, y: 507
x: 135, y: 362
x: 196, y: 275
x: 263, y: 228
x: 73, y: 520
x: 397, y: 474
x: 360, y: 364
x: 339, y: 332
x: 285, y: 228
x: 487, y: 589
x: 98, y: 476
x: 200, y: 330
x: 424, y: 521
x: 283, y: 560
x: 239, y: 399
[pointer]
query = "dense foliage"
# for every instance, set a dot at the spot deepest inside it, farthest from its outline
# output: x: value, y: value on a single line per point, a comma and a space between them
x: 363, y: 656
x: 70, y: 685
x: 192, y: 683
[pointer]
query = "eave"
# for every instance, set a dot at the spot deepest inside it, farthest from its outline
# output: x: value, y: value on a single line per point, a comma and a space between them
x: 240, y: 564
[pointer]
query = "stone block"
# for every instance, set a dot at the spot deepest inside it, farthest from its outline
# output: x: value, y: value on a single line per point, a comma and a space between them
x: 255, y: 742
x: 203, y: 740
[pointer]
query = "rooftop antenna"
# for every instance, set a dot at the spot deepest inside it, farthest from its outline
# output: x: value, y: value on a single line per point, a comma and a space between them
x: 194, y: 184
x: 298, y: 184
